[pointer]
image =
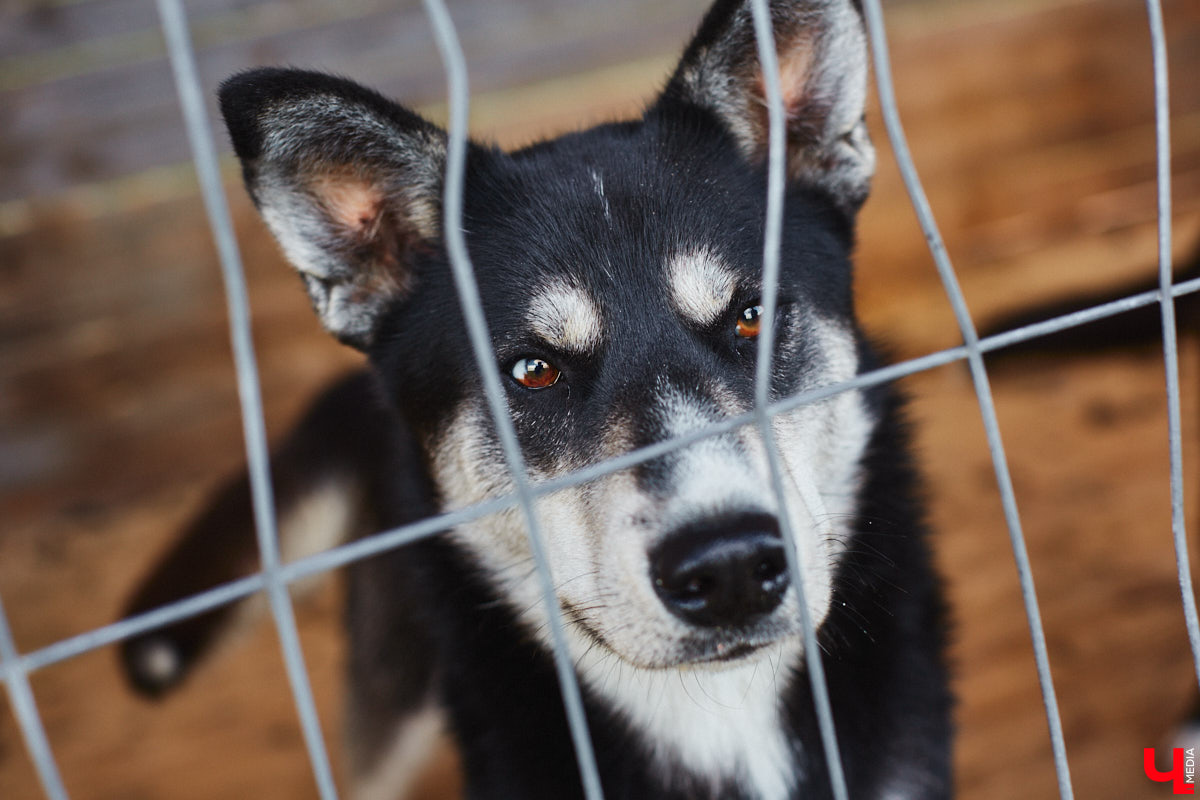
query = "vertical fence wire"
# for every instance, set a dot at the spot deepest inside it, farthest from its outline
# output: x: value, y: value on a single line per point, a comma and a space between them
x: 983, y: 392
x: 776, y: 143
x: 16, y: 678
x: 191, y: 98
x: 1162, y: 132
x: 481, y: 343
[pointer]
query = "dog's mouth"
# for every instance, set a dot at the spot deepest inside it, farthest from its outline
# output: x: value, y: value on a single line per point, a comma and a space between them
x: 731, y: 648
x: 702, y: 649
x: 731, y: 653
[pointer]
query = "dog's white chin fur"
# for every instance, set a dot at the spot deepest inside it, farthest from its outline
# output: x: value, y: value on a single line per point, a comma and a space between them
x: 717, y: 720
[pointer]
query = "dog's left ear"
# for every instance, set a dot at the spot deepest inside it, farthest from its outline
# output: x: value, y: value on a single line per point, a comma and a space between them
x: 349, y: 183
x: 822, y: 51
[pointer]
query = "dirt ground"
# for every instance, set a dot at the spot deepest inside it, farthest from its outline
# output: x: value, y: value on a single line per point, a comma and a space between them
x: 1032, y: 123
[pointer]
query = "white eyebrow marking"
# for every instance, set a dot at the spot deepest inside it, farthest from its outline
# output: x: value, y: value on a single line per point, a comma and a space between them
x: 566, y: 317
x: 598, y: 185
x: 701, y: 286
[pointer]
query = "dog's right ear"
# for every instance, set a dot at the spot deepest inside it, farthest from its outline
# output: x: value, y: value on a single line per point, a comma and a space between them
x: 348, y: 182
x: 822, y: 51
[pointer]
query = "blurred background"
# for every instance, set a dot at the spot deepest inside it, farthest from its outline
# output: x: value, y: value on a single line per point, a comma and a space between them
x: 1032, y: 124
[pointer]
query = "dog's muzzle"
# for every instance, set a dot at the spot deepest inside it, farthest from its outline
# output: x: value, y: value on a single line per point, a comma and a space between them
x: 722, y: 573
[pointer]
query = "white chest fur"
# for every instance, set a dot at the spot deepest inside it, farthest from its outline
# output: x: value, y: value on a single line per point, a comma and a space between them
x: 722, y: 726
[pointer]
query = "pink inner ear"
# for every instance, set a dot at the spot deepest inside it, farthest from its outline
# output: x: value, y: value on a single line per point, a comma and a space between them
x: 795, y: 62
x: 351, y: 202
x: 793, y: 73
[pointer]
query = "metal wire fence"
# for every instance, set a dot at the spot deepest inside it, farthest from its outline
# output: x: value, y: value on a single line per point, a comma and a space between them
x: 274, y: 577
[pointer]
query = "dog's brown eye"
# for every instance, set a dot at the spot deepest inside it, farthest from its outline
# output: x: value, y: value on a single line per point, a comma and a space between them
x: 534, y: 373
x: 748, y: 322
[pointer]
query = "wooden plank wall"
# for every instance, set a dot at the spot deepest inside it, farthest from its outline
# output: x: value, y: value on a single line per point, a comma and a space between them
x: 89, y: 95
x: 1032, y: 122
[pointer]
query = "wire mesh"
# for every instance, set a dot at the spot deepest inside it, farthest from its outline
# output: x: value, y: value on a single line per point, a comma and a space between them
x: 274, y: 577
x: 983, y: 390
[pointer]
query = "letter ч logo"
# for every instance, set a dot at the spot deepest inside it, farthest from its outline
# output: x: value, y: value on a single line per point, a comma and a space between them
x: 1183, y: 769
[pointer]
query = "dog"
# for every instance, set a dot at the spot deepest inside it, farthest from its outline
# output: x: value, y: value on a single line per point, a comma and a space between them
x: 620, y: 271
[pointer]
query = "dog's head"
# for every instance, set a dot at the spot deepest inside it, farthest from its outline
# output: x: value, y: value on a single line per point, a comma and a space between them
x: 620, y: 270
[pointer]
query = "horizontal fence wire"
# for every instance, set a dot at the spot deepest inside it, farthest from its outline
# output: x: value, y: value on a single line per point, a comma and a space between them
x: 983, y: 391
x: 274, y: 577
x: 383, y: 541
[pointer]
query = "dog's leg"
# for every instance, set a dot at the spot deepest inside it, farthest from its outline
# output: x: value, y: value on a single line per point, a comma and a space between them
x: 322, y: 487
x: 394, y: 725
x: 390, y: 770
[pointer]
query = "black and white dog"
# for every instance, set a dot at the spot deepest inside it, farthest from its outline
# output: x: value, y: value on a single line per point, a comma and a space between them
x: 620, y: 271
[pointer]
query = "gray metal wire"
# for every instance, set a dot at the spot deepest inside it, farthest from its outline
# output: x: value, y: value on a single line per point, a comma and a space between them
x: 481, y: 343
x: 1162, y: 131
x: 274, y: 577
x: 16, y: 678
x: 204, y: 154
x: 776, y: 145
x: 366, y: 547
x: 983, y: 391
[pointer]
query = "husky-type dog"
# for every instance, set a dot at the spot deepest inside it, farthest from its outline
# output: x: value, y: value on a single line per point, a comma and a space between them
x: 620, y: 269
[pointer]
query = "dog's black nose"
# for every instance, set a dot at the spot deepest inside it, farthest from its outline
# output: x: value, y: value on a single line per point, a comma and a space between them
x: 722, y: 574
